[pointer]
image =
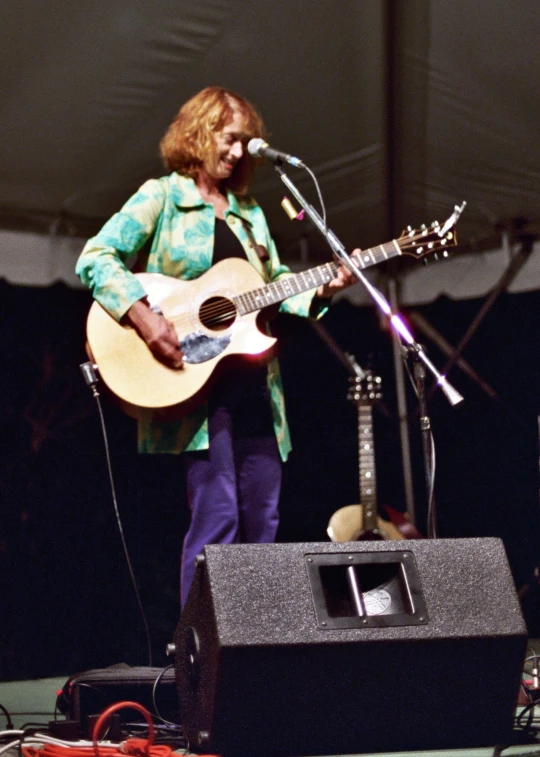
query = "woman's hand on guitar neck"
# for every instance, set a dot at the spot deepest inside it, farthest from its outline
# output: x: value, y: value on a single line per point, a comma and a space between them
x: 343, y: 279
x: 158, y: 333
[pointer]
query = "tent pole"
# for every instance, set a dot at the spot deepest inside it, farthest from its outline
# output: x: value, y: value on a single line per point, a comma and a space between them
x: 403, y: 414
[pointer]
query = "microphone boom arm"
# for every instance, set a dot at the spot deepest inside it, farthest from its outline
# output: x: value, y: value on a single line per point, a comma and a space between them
x: 397, y: 323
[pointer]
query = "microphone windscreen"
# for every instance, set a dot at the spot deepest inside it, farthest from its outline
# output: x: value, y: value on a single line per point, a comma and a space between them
x: 255, y: 145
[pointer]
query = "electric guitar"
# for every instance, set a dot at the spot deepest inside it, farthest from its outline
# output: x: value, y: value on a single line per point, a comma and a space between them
x: 361, y: 522
x: 215, y: 317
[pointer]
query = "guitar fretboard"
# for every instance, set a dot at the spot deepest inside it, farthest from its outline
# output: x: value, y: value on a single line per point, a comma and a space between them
x: 278, y: 291
x: 366, y: 459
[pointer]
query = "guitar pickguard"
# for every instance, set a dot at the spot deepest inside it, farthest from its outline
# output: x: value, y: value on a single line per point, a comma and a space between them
x: 198, y: 347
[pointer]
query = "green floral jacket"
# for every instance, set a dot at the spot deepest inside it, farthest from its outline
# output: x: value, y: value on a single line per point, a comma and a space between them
x: 172, y: 210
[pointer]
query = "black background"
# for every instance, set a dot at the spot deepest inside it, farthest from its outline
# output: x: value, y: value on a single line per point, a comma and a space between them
x: 67, y: 601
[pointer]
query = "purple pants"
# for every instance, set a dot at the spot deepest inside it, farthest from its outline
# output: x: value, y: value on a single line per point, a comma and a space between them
x: 233, y: 492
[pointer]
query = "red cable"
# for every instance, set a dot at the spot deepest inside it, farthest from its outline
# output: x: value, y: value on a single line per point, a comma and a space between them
x: 133, y: 747
x: 105, y: 715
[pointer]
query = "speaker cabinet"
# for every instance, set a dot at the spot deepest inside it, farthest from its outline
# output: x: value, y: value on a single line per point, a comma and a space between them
x: 339, y: 648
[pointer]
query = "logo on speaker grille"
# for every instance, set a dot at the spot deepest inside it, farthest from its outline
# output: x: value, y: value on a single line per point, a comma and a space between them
x: 377, y: 601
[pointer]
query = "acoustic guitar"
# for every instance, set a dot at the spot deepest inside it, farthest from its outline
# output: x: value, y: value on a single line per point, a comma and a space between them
x: 215, y: 317
x: 361, y: 522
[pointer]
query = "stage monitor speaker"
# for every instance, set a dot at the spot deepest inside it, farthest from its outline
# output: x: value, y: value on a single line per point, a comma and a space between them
x: 340, y: 648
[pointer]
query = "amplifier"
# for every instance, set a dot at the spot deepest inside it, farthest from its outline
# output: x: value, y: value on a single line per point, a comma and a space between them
x: 89, y: 693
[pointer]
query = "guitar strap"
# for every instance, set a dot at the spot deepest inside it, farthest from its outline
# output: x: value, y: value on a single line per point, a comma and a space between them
x: 260, y: 249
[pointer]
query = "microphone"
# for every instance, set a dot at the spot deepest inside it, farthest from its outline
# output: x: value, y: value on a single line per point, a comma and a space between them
x: 261, y: 149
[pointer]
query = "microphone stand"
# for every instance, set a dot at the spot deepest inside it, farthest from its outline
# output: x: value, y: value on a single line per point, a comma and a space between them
x: 397, y: 323
x: 419, y: 375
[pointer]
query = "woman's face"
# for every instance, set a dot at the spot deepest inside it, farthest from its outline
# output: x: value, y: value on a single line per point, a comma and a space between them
x: 229, y: 148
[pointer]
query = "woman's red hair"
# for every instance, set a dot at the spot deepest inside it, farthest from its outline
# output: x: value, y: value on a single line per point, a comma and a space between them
x: 189, y: 140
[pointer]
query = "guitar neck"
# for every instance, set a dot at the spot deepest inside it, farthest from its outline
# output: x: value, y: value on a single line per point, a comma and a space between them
x: 271, y: 294
x: 366, y: 460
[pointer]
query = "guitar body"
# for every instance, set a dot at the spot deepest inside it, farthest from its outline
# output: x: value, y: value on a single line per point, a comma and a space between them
x: 348, y: 524
x: 131, y: 371
x: 215, y: 317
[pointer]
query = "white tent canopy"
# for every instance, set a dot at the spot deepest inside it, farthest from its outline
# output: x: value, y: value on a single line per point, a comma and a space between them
x: 401, y: 108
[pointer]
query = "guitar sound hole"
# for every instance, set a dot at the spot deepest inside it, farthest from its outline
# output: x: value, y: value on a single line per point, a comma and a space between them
x: 217, y: 313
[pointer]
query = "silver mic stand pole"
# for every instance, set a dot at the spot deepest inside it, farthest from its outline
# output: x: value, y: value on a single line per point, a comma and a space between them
x: 397, y: 323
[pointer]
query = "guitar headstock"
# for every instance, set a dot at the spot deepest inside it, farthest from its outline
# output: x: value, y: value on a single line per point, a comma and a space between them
x: 365, y: 390
x: 426, y: 240
x: 430, y: 240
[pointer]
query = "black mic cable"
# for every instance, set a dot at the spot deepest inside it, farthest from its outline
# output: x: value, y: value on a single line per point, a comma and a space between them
x: 258, y: 148
x: 88, y: 370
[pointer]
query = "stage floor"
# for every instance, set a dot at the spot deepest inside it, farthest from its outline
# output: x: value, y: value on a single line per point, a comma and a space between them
x: 34, y: 702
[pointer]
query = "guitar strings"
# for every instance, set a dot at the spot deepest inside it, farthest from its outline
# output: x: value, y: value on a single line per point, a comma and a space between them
x: 219, y: 310
x: 210, y: 313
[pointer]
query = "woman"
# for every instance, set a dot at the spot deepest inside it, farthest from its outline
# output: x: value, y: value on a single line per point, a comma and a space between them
x: 200, y: 214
